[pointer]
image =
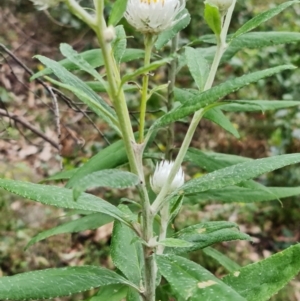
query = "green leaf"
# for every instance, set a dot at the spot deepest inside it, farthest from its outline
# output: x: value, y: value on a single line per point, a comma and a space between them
x: 236, y: 174
x: 192, y: 282
x: 62, y: 175
x: 61, y: 197
x: 184, y: 20
x: 112, y: 292
x: 117, y: 12
x: 119, y: 43
x: 261, y: 280
x: 82, y: 91
x: 213, y: 18
x: 208, y: 97
x: 224, y: 260
x: 145, y: 69
x: 100, y: 87
x: 217, y: 116
x: 238, y: 194
x: 127, y: 254
x: 206, y: 234
x: 108, y: 158
x: 74, y: 57
x: 198, y: 66
x: 95, y: 58
x: 263, y: 17
x: 259, y: 105
x: 53, y: 283
x: 175, y: 243
x: 212, y: 161
x: 89, y: 222
x: 112, y: 178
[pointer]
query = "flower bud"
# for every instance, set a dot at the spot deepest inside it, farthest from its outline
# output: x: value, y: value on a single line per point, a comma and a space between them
x: 153, y: 16
x: 44, y: 4
x: 109, y: 34
x: 223, y: 5
x: 161, y: 174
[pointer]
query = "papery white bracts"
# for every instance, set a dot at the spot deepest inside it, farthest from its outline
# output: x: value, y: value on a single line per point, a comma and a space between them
x: 44, y: 4
x: 153, y: 16
x: 161, y: 173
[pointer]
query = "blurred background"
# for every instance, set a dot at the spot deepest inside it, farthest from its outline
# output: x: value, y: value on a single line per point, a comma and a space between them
x: 26, y: 155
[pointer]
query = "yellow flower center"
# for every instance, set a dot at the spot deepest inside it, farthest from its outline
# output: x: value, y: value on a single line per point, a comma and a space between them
x: 152, y: 1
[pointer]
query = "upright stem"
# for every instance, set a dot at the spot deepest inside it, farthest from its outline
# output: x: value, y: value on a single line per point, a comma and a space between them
x: 171, y: 78
x: 143, y: 105
x: 221, y: 47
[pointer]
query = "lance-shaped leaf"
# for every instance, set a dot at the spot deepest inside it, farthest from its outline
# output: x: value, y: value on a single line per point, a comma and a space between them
x: 61, y: 197
x: 112, y: 292
x: 89, y: 222
x: 108, y: 158
x: 53, y: 283
x: 117, y: 12
x: 212, y: 17
x: 261, y: 280
x: 119, y: 43
x: 112, y: 178
x: 192, y: 282
x: 236, y: 174
x: 206, y: 234
x: 127, y: 252
x: 263, y: 17
x: 208, y: 97
x: 95, y: 58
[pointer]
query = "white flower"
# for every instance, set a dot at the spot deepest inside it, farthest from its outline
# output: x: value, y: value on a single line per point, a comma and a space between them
x: 153, y: 16
x: 44, y: 4
x: 223, y: 5
x: 161, y: 173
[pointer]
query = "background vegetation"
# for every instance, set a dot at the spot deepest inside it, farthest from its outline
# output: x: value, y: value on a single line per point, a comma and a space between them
x: 26, y: 156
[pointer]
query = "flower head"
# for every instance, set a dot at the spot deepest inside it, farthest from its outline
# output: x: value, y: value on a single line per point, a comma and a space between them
x: 44, y: 4
x: 222, y: 5
x: 153, y: 16
x: 161, y: 174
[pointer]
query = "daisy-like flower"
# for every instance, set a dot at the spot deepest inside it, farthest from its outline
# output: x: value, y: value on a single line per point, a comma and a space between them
x: 161, y: 173
x: 44, y: 4
x: 153, y: 16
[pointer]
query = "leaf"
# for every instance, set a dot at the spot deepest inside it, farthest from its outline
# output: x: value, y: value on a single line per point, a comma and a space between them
x: 82, y: 91
x: 198, y: 66
x: 112, y: 292
x: 236, y: 174
x: 261, y: 280
x: 259, y: 105
x: 208, y: 97
x: 88, y: 222
x: 74, y: 57
x: 238, y: 194
x: 169, y: 34
x: 126, y: 254
x: 224, y: 260
x: 99, y: 87
x: 119, y: 43
x: 192, y: 282
x: 53, y: 283
x: 108, y: 158
x: 117, y: 12
x: 262, y: 17
x: 206, y: 234
x: 61, y: 197
x: 213, y: 18
x: 175, y: 243
x: 62, y: 175
x: 112, y: 178
x: 217, y: 116
x: 145, y: 69
x: 95, y: 59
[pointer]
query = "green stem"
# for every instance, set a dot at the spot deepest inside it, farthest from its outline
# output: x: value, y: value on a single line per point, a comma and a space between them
x: 143, y: 105
x: 164, y: 222
x: 221, y: 47
x: 171, y: 78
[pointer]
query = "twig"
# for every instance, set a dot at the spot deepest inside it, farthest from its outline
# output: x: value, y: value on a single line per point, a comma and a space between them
x: 22, y: 121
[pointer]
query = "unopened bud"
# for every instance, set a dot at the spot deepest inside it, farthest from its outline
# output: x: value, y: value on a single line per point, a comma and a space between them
x: 161, y: 174
x: 109, y: 34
